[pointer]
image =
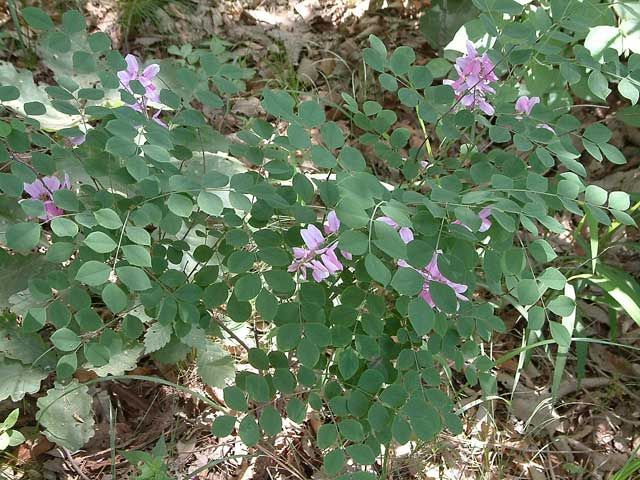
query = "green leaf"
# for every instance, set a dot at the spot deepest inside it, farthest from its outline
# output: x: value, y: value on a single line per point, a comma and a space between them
x: 100, y: 242
x: 389, y: 241
x: 99, y: 42
x: 210, y: 203
x: 278, y: 103
x: 280, y: 281
x: 93, y: 273
x: 138, y: 235
x: 296, y: 410
x: 599, y: 85
x: 332, y: 135
x: 156, y: 337
x: 97, y: 355
x: 361, y: 454
x: 215, y: 365
x: 137, y: 255
x: 179, y: 204
x: 334, y: 461
x: 562, y: 305
x: 121, y: 360
x: 327, y: 435
x: 348, y: 363
x: 235, y: 399
x: 560, y: 334
x: 134, y: 278
x: 270, y: 421
x: 401, y: 60
x: 65, y: 340
x: 37, y: 18
x: 444, y: 297
x: 66, y: 415
x: 421, y: 316
x: 248, y: 287
x: 352, y: 159
x: 528, y: 291
x: 108, y: 219
x: 553, y: 278
x: 223, y: 425
x: 351, y: 430
x: 542, y: 251
x: 63, y: 227
x: 114, y: 298
x: 23, y: 236
x: 249, y: 431
x: 377, y: 270
x: 19, y: 379
x: 499, y: 134
x: 157, y: 153
x: 628, y: 90
x: 407, y: 281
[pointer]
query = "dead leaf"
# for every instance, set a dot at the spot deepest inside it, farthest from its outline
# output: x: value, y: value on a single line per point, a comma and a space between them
x: 307, y: 71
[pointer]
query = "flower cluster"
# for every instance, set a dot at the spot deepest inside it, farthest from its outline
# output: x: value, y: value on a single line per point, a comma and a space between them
x: 524, y: 105
x: 151, y: 93
x: 43, y: 190
x: 322, y: 260
x: 431, y: 273
x: 474, y: 75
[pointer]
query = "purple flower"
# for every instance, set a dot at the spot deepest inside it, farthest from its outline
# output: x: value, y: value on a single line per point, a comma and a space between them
x: 43, y: 190
x: 524, y: 105
x: 78, y: 140
x: 474, y: 75
x: 484, y: 216
x: 332, y: 224
x: 312, y: 237
x: 405, y: 232
x: 322, y: 260
x: 145, y: 78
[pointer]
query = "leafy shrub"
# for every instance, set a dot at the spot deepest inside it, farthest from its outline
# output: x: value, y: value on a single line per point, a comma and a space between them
x: 136, y: 228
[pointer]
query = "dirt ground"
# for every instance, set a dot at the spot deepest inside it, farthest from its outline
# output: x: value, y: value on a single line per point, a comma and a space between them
x: 314, y: 46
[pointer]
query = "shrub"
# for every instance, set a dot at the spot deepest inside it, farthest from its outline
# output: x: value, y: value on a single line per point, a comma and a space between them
x: 134, y: 227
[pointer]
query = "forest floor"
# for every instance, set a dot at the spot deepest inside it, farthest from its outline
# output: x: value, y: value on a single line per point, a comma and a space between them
x: 313, y: 47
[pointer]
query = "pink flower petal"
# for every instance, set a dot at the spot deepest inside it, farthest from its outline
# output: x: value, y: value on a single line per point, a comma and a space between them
x: 52, y: 183
x: 150, y: 72
x: 406, y: 234
x: 312, y: 237
x: 332, y: 224
x: 132, y: 65
x: 36, y: 189
x: 388, y: 221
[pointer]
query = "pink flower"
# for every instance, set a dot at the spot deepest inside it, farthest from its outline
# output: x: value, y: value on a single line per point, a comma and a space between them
x: 322, y: 260
x: 405, y: 232
x: 474, y: 75
x: 43, y: 190
x: 431, y: 273
x: 312, y: 237
x: 151, y: 92
x: 484, y: 216
x: 332, y: 224
x: 524, y: 105
x: 78, y: 140
x: 330, y: 260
